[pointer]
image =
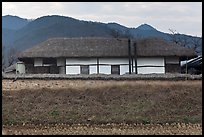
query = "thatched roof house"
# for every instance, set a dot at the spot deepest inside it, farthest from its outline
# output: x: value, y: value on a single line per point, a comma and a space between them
x: 104, y: 55
x: 104, y: 47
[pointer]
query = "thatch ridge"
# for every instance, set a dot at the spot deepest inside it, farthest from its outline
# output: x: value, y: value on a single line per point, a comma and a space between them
x: 160, y: 47
x: 104, y: 47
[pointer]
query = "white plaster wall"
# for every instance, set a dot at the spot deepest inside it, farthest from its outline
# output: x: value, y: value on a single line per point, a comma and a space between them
x: 38, y: 62
x: 72, y: 70
x: 150, y: 61
x: 124, y: 69
x: 20, y: 68
x: 76, y: 70
x: 149, y: 70
x: 105, y: 69
x: 81, y: 61
x: 113, y: 61
x: 92, y: 69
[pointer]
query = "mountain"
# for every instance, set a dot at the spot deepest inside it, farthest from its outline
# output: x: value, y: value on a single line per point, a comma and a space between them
x: 22, y: 33
x: 117, y: 27
x: 13, y: 22
x: 7, y: 36
x: 146, y: 27
x: 47, y: 27
x: 145, y: 30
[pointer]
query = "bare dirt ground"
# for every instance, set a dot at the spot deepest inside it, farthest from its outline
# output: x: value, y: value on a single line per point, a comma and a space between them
x: 102, y: 94
x: 111, y: 129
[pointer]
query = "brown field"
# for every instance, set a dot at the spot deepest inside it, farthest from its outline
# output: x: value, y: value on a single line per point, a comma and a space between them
x: 109, y: 129
x: 43, y: 102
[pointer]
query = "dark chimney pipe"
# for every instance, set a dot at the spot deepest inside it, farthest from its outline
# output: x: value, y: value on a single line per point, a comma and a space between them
x: 129, y: 54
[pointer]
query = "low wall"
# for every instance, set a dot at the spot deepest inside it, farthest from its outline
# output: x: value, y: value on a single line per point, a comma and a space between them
x: 105, y: 77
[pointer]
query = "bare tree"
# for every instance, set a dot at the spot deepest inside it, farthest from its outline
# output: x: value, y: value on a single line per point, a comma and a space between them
x: 174, y: 37
x: 12, y: 56
x: 183, y: 41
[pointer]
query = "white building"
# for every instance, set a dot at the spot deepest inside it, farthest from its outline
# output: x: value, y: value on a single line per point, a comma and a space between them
x: 104, y: 56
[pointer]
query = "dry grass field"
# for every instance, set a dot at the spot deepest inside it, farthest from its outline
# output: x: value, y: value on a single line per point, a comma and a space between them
x: 51, y: 102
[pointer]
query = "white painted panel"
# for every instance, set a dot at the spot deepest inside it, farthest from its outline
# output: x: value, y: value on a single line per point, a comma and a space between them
x: 60, y: 61
x: 81, y: 61
x: 93, y: 69
x: 113, y: 61
x: 150, y: 61
x: 72, y: 70
x: 124, y: 69
x: 104, y: 69
x: 20, y: 68
x: 149, y: 70
x: 38, y: 62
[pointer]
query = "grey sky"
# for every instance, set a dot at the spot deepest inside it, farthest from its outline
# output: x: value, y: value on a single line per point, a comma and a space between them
x: 184, y: 17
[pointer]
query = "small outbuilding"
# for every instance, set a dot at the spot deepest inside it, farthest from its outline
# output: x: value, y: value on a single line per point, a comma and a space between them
x: 16, y: 68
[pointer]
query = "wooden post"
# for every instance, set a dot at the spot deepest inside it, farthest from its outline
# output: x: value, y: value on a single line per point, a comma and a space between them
x: 132, y: 64
x: 179, y: 65
x: 129, y: 54
x: 97, y: 65
x: 135, y: 53
x: 186, y: 68
x: 186, y: 65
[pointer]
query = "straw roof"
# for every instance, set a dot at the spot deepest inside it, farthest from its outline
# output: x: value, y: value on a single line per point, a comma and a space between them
x: 160, y: 47
x: 103, y: 47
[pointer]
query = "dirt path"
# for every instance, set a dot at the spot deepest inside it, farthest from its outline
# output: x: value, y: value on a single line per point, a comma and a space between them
x: 174, y: 129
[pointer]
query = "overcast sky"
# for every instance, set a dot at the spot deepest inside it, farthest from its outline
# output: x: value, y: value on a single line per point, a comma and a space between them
x: 184, y: 17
